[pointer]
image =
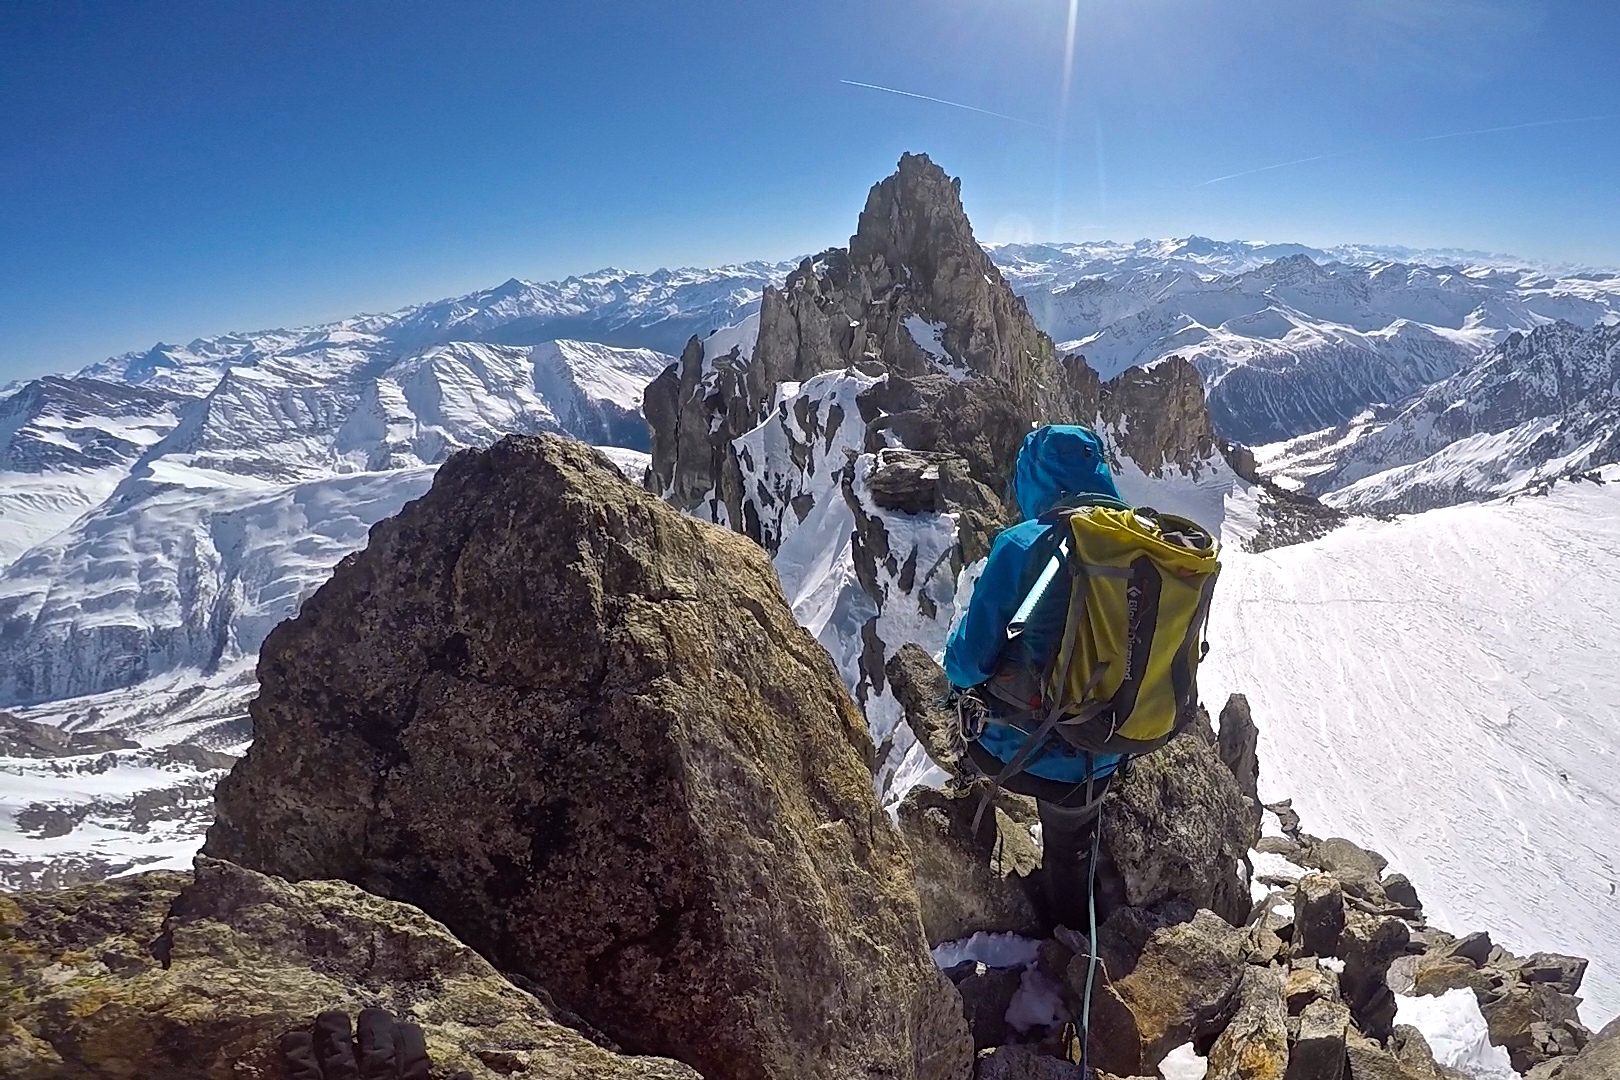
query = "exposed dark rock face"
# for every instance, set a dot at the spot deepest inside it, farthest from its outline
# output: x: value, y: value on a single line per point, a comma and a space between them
x: 1290, y: 517
x: 1238, y: 744
x: 1160, y: 414
x: 24, y: 738
x: 963, y: 368
x: 1318, y: 1050
x: 1369, y: 944
x: 157, y: 976
x: 986, y: 993
x: 585, y: 731
x: 912, y: 271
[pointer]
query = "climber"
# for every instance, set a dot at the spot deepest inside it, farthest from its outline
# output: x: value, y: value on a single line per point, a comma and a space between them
x: 1079, y: 647
x: 1055, y: 464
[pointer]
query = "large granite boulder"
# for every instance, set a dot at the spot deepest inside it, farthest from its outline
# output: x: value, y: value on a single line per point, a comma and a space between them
x: 1177, y: 829
x: 157, y: 976
x: 967, y: 881
x: 585, y: 731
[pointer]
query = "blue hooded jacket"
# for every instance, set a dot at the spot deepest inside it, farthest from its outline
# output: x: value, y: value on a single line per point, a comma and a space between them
x: 1057, y: 461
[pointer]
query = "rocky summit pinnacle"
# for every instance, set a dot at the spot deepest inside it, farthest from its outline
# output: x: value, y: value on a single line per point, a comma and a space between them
x: 913, y: 295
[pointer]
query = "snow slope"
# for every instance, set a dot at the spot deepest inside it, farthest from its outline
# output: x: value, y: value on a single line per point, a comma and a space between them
x: 1441, y: 688
x: 64, y: 446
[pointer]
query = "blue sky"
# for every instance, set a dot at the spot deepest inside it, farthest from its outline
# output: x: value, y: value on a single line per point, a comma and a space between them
x: 176, y: 169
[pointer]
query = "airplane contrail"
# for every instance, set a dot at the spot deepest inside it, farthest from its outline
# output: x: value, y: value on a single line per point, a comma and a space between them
x: 1268, y: 168
x: 942, y: 101
x: 1516, y: 127
x: 1410, y: 142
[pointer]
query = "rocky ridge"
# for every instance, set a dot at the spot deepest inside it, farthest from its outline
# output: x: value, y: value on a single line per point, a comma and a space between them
x: 1294, y: 977
x: 656, y: 818
x: 535, y: 619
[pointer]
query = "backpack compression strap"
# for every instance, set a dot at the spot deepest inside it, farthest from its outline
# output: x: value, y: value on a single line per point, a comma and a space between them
x: 1054, y: 715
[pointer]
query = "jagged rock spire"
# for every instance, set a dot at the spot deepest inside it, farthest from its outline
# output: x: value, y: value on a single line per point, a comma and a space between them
x: 913, y: 295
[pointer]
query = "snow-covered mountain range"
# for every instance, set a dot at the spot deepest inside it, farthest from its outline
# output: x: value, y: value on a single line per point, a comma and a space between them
x: 1293, y: 346
x: 1540, y: 407
x: 160, y: 511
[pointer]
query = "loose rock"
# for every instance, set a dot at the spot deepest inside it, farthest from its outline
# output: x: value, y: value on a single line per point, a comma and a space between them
x: 158, y: 976
x: 1183, y: 983
x: 1319, y: 916
x: 1475, y: 948
x: 1024, y: 1063
x: 1304, y: 986
x: 1534, y: 1023
x: 1368, y: 945
x: 1319, y: 1049
x: 1254, y: 1045
x: 967, y: 881
x: 1600, y: 1060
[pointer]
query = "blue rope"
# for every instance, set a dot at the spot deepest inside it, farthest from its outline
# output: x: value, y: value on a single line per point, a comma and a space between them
x: 1091, y: 946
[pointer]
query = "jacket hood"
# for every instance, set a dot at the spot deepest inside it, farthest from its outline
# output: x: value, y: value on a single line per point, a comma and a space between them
x: 1058, y: 461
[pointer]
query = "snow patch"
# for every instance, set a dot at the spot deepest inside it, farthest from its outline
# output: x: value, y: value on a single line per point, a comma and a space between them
x: 997, y: 950
x: 1456, y: 1031
x: 1037, y: 1003
x: 930, y: 338
x: 1183, y: 1063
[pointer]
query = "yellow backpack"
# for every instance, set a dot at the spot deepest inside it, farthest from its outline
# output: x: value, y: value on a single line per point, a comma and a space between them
x: 1124, y: 679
